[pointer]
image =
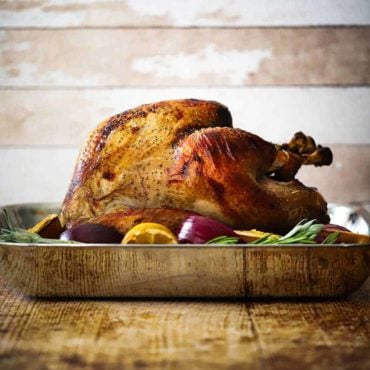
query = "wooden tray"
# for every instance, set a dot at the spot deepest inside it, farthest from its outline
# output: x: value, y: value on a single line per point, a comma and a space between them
x: 43, y: 270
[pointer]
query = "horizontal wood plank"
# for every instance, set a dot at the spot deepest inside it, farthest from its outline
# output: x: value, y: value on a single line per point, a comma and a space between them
x: 100, y: 13
x: 185, y: 57
x: 35, y: 175
x: 43, y: 174
x: 347, y: 179
x: 184, y: 334
x: 65, y: 117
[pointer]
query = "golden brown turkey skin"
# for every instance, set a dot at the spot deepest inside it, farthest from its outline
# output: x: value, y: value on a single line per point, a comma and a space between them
x: 123, y: 221
x: 126, y: 158
x: 184, y: 154
x: 222, y: 172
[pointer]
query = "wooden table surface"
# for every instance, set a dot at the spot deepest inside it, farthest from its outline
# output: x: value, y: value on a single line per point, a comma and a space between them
x: 184, y: 334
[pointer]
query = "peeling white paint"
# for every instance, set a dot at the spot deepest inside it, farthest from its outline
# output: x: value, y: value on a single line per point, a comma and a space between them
x: 38, y: 16
x: 23, y: 72
x: 15, y: 46
x: 331, y: 115
x: 49, y: 172
x: 255, y: 13
x: 338, y: 165
x: 65, y: 13
x: 180, y: 12
x: 28, y: 74
x: 232, y: 65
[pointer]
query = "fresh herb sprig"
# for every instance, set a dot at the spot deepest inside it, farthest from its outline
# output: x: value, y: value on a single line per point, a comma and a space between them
x: 11, y: 234
x: 331, y: 238
x: 305, y: 232
x: 224, y: 240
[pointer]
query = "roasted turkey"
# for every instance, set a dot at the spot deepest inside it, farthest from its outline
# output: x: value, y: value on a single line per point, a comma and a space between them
x: 161, y: 162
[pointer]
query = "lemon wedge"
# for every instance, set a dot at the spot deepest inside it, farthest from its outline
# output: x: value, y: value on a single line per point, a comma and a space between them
x: 149, y: 233
x: 252, y: 235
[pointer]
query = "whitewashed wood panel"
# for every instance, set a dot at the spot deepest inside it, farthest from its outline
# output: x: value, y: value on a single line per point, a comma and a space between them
x: 64, y: 117
x: 34, y: 174
x: 215, y: 13
x: 43, y: 174
x: 184, y: 57
x: 347, y: 179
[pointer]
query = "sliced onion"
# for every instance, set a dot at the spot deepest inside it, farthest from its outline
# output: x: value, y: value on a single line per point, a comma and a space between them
x: 200, y: 229
x: 92, y: 233
x: 333, y: 227
x: 328, y: 229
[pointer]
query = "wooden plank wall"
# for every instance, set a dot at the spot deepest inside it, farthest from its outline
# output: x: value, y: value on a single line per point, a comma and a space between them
x: 280, y: 66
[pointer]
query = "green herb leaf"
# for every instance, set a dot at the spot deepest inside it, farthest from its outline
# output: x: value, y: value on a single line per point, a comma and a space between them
x: 12, y: 234
x: 224, y: 240
x: 266, y: 239
x: 331, y: 238
x: 304, y: 232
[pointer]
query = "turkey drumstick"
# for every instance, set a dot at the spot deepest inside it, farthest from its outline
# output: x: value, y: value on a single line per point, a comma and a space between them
x: 301, y: 150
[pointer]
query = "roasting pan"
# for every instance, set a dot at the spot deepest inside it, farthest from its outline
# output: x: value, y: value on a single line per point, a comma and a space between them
x: 107, y: 270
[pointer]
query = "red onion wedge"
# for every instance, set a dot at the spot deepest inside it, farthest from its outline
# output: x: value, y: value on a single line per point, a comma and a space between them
x: 328, y: 229
x: 92, y: 233
x: 200, y: 230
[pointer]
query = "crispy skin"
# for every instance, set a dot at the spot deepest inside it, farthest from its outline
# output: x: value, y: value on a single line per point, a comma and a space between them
x: 125, y: 160
x: 185, y: 154
x: 221, y: 172
x: 125, y: 220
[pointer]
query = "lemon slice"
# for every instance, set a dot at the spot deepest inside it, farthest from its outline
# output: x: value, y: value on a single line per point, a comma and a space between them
x: 252, y: 235
x: 149, y: 233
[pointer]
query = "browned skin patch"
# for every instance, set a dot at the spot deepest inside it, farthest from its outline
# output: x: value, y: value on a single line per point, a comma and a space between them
x: 228, y: 167
x: 227, y: 163
x: 109, y: 176
x: 125, y: 220
x: 173, y: 118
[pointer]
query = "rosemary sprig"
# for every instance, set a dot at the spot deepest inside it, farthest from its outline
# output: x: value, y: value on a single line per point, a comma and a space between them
x: 11, y: 234
x: 331, y: 238
x: 305, y: 232
x: 224, y: 240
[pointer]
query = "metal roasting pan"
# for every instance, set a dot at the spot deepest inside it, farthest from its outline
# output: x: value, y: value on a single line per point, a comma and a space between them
x: 113, y: 270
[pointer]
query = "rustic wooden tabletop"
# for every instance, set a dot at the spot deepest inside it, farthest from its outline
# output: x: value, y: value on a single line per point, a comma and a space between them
x: 184, y: 334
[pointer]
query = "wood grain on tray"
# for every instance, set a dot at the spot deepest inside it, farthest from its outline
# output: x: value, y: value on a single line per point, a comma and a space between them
x: 184, y: 271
